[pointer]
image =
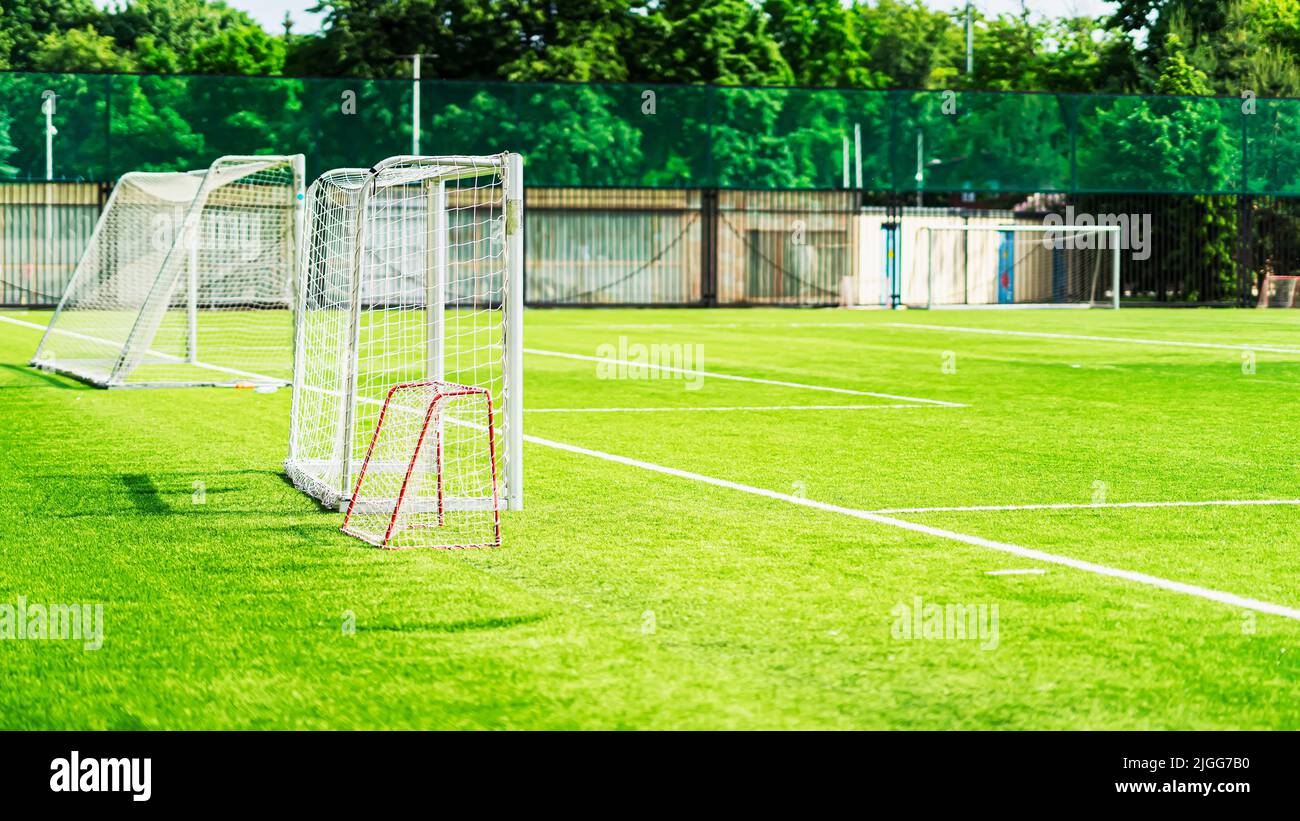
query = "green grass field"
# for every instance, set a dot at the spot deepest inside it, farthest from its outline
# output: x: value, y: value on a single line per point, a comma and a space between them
x: 628, y: 597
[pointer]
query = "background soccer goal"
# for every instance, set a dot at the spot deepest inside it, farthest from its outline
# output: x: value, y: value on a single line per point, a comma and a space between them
x: 186, y: 281
x: 1019, y: 265
x: 1279, y: 291
x: 411, y: 272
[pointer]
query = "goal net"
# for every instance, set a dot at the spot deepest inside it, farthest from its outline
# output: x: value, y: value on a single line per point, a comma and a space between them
x: 1017, y: 266
x: 429, y: 477
x: 187, y: 280
x: 411, y: 272
x: 1279, y: 291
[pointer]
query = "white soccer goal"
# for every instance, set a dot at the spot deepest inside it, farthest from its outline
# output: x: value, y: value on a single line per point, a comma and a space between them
x: 411, y: 272
x: 1018, y: 266
x: 187, y: 280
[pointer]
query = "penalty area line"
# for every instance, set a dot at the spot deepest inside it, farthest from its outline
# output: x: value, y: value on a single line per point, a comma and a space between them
x: 1090, y: 506
x: 911, y: 406
x: 1168, y: 343
x: 738, y: 378
x: 1210, y: 594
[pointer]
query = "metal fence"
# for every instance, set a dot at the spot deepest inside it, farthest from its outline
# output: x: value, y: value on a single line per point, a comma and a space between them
x: 702, y: 247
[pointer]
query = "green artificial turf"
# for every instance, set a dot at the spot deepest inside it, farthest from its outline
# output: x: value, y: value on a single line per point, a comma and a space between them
x: 627, y: 598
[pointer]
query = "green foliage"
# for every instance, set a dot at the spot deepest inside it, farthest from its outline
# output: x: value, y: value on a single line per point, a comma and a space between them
x: 1063, y: 54
x: 573, y: 40
x: 26, y: 24
x: 821, y: 41
x: 709, y: 41
x: 908, y: 45
x: 472, y: 39
x: 7, y: 148
x: 242, y: 49
x: 82, y: 49
x: 177, y: 25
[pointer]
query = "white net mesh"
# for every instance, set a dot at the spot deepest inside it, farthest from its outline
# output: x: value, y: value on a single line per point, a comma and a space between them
x: 429, y: 475
x: 1014, y: 265
x: 186, y: 281
x: 405, y: 278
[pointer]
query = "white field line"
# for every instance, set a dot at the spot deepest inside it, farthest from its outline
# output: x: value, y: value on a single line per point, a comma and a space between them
x: 636, y: 326
x: 1220, y: 596
x: 1092, y: 506
x: 734, y: 408
x: 734, y: 377
x: 24, y: 323
x: 166, y: 356
x: 1168, y: 343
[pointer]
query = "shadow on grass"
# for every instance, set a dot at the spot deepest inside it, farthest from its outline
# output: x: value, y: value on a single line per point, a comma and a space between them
x: 144, y: 494
x: 33, y: 378
x: 465, y: 625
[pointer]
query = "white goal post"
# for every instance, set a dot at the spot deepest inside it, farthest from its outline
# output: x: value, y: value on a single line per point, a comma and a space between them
x: 411, y: 272
x: 187, y: 280
x: 1018, y: 265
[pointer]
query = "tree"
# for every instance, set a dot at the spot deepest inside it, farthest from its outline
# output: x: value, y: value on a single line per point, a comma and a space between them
x: 1014, y: 53
x: 7, y: 148
x: 820, y: 41
x: 236, y: 50
x: 908, y: 45
x: 178, y: 26
x: 82, y: 49
x: 707, y: 41
x: 577, y: 40
x: 25, y: 24
x: 468, y: 39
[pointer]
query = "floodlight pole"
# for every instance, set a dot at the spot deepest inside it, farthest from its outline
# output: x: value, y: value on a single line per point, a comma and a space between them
x: 970, y: 41
x: 857, y: 152
x: 846, y: 160
x: 47, y: 106
x: 415, y: 105
x: 920, y: 166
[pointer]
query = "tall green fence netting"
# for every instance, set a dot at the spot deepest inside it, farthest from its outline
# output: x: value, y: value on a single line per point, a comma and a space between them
x: 629, y: 135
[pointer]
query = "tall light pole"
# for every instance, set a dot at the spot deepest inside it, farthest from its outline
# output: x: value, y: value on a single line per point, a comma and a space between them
x: 415, y: 105
x: 920, y: 165
x: 415, y: 100
x: 846, y: 152
x: 970, y: 41
x: 47, y: 107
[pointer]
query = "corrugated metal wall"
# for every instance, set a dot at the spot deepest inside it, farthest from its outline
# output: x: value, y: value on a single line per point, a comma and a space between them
x: 673, y: 247
x: 44, y: 228
x: 613, y: 247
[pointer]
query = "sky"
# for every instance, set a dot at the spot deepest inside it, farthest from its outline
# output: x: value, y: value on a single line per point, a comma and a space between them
x: 270, y: 12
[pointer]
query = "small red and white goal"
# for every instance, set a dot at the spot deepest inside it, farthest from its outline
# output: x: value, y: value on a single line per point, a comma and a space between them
x: 429, y: 478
